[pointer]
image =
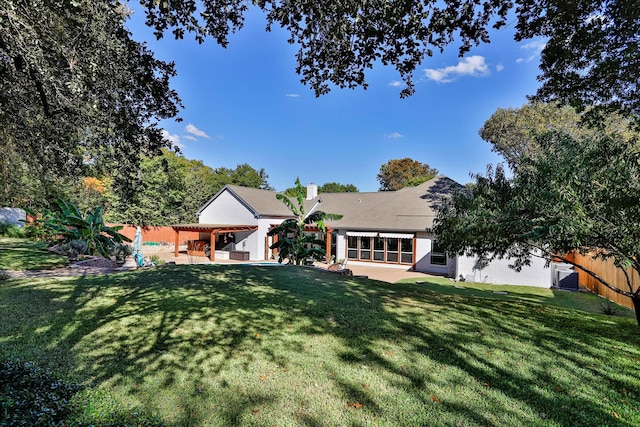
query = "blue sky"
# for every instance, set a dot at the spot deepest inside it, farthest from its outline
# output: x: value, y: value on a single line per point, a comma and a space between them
x: 245, y: 104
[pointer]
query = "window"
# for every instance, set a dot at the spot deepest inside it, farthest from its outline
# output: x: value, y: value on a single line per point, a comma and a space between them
x: 392, y: 250
x: 365, y: 248
x: 406, y: 251
x: 378, y: 249
x: 334, y: 248
x: 352, y: 247
x: 438, y: 257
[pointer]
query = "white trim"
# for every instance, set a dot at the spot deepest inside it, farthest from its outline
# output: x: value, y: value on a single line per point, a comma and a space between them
x: 397, y: 235
x: 362, y: 233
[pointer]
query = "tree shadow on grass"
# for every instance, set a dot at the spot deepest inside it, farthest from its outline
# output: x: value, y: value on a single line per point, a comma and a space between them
x: 214, y: 342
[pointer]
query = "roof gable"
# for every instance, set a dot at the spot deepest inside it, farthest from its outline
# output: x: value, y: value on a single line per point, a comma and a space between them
x: 259, y: 202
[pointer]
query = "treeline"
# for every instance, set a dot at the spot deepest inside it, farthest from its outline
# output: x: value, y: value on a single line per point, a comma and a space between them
x: 172, y: 188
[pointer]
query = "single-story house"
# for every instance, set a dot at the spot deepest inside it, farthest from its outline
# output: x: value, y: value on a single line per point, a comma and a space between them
x: 388, y: 229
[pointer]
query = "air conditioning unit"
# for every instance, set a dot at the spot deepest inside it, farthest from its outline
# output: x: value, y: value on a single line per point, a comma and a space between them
x: 567, y: 280
x: 555, y: 267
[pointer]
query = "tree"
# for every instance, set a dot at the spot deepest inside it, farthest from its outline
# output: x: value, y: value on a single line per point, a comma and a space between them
x: 400, y: 173
x: 590, y: 56
x: 564, y: 198
x: 293, y: 243
x: 78, y: 96
x: 173, y: 188
x: 329, y: 187
x: 334, y: 187
x: 512, y: 132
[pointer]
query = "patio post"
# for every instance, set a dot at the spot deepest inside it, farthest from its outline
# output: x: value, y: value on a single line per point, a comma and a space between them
x: 177, y: 243
x: 212, y: 245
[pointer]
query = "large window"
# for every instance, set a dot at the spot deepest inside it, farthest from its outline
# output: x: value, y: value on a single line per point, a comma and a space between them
x: 365, y: 248
x: 390, y: 250
x: 378, y: 249
x: 406, y: 251
x: 438, y: 257
x: 352, y: 247
x: 393, y: 248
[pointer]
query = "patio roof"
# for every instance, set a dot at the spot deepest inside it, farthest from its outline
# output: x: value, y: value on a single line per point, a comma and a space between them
x: 220, y: 228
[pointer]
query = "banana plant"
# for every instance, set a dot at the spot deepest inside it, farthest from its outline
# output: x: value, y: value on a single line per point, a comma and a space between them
x: 293, y: 243
x: 68, y: 224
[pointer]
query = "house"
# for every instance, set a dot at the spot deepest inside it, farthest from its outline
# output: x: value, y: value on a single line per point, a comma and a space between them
x: 389, y: 228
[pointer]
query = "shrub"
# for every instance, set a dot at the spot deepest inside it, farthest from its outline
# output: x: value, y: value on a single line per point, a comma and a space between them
x: 121, y: 251
x: 10, y: 230
x: 609, y: 308
x: 156, y: 260
x: 68, y: 223
x: 30, y: 395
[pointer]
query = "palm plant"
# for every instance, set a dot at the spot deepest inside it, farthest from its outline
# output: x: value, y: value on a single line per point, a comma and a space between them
x: 68, y: 224
x: 293, y: 244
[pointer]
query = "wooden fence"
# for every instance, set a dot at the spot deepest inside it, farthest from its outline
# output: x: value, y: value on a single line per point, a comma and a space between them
x: 610, y: 273
x: 158, y: 234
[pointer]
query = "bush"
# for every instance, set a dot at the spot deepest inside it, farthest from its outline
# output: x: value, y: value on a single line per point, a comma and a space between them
x: 156, y: 260
x: 609, y: 308
x: 10, y: 230
x: 30, y: 395
x: 121, y: 251
x: 73, y: 249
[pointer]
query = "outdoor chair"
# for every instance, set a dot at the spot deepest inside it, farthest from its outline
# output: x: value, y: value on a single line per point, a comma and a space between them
x: 340, y: 268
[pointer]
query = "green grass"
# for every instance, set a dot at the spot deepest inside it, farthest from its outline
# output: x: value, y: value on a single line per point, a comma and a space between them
x: 247, y: 345
x: 23, y: 254
x: 585, y: 301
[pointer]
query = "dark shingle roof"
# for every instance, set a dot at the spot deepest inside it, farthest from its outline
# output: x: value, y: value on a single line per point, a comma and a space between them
x: 408, y: 209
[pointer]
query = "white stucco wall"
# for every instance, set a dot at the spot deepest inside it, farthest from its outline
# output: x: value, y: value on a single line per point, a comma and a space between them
x: 424, y: 242
x: 226, y: 209
x: 498, y: 272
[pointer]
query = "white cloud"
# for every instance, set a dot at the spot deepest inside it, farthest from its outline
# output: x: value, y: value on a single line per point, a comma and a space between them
x: 195, y: 131
x: 292, y: 95
x: 396, y: 83
x: 470, y: 66
x: 499, y: 67
x: 534, y: 47
x: 174, y: 138
x: 190, y: 137
x: 394, y: 135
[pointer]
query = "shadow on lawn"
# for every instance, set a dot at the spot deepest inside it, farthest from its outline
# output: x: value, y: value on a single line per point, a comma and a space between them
x: 185, y: 327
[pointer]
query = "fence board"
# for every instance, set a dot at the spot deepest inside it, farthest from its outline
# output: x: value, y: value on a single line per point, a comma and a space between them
x: 610, y: 273
x: 158, y: 234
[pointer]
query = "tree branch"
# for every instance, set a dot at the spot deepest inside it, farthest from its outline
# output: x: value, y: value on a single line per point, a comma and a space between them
x: 590, y: 273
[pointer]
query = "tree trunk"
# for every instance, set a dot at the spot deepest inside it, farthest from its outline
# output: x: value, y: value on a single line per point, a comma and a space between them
x: 636, y: 305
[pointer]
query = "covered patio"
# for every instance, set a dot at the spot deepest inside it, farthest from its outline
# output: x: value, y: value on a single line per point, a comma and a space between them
x: 213, y: 229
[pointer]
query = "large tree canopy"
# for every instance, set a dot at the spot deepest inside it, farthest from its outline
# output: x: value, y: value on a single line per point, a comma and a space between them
x: 571, y: 194
x: 591, y: 55
x: 77, y: 95
x: 400, y: 173
x: 513, y: 132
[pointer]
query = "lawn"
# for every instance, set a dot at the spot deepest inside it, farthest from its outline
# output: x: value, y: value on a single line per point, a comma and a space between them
x: 584, y: 300
x: 22, y: 254
x: 255, y: 345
